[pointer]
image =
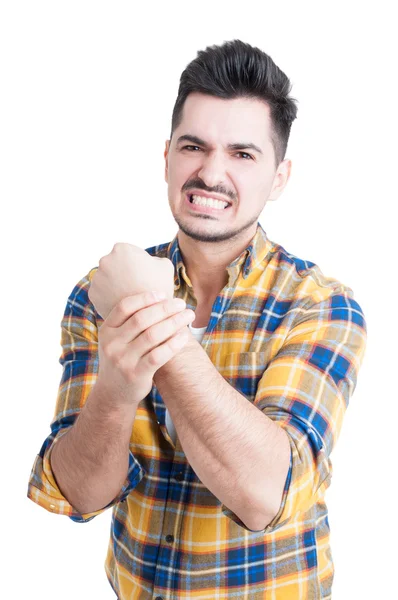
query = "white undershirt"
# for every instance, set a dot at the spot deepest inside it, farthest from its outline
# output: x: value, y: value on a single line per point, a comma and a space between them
x: 198, y: 333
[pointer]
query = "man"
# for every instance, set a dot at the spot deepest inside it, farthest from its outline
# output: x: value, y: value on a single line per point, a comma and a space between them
x: 207, y: 425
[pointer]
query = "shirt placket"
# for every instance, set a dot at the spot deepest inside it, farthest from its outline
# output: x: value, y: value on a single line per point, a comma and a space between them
x: 165, y: 582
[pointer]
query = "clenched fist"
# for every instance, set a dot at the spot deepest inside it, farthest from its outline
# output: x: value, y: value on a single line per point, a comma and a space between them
x: 139, y: 333
x: 126, y: 271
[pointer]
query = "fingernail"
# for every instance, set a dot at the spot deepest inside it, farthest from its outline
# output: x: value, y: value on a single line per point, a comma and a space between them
x: 179, y: 303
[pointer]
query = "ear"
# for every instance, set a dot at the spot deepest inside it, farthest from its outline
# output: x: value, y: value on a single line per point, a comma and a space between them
x: 166, y: 159
x: 281, y: 178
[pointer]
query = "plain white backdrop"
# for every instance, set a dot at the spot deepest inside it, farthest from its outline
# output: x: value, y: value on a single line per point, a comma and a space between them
x: 87, y: 91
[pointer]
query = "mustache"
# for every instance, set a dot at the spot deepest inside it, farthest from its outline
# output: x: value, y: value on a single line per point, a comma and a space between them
x: 197, y: 183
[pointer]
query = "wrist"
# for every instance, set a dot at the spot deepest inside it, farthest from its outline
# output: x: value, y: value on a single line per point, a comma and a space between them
x: 179, y: 359
x: 105, y: 401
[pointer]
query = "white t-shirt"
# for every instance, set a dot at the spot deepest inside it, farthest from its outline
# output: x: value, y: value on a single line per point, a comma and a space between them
x: 198, y: 333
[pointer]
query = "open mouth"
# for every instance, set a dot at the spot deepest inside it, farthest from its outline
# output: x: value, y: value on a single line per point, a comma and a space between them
x: 206, y: 203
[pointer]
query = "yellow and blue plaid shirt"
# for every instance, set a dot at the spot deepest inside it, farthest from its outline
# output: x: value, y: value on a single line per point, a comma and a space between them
x: 288, y: 339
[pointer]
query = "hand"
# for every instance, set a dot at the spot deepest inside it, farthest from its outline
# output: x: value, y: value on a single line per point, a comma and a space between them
x: 139, y: 336
x: 126, y: 271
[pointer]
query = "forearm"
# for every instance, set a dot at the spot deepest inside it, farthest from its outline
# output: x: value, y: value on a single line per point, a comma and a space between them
x: 237, y: 452
x: 90, y: 462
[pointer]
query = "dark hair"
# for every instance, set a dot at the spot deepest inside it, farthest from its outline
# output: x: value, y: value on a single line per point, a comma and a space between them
x: 236, y: 70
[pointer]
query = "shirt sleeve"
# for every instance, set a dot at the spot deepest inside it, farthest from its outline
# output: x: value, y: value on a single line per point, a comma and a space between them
x: 306, y: 390
x: 79, y: 359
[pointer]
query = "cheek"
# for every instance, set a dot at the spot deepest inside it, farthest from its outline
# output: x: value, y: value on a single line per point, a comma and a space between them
x: 180, y: 172
x: 262, y: 186
x: 251, y: 189
x: 246, y: 184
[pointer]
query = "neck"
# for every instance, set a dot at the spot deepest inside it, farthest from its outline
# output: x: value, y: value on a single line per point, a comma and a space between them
x: 206, y: 263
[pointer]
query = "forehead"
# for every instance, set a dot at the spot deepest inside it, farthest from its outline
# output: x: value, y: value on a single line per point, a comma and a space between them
x: 217, y: 120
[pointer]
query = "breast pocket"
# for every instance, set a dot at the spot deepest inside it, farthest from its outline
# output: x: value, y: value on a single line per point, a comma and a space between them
x: 243, y: 370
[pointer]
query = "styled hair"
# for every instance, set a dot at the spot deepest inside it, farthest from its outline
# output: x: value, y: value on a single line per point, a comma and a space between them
x: 237, y: 70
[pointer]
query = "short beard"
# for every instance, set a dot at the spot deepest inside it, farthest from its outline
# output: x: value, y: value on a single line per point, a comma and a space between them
x: 217, y: 237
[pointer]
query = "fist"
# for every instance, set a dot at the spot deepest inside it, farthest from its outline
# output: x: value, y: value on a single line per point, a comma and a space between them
x: 126, y: 271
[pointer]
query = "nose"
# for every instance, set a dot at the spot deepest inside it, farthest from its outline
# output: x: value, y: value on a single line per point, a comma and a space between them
x: 212, y: 170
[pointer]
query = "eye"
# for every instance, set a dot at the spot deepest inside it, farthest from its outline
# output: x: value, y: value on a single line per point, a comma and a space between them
x: 190, y: 148
x: 245, y: 155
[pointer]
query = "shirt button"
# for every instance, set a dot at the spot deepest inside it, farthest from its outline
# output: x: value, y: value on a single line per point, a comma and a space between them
x: 179, y: 476
x: 52, y: 506
x: 169, y: 538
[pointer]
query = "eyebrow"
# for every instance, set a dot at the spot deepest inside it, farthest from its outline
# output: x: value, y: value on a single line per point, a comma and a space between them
x: 237, y: 146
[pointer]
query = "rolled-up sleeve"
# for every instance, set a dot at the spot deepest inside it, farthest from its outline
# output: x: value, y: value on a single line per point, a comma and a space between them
x: 79, y: 359
x: 306, y: 389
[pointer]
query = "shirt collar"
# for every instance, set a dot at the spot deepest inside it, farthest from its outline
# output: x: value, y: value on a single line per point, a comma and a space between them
x: 248, y: 260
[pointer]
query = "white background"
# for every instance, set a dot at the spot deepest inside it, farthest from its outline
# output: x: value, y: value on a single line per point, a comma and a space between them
x: 87, y: 91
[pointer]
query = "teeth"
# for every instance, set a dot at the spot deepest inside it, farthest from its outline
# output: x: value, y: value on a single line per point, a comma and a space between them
x: 212, y: 202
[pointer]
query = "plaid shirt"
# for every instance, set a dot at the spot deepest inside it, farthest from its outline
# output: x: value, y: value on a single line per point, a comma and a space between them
x: 288, y: 339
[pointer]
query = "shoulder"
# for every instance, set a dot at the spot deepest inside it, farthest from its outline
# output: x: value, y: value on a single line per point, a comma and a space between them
x: 303, y: 285
x: 304, y: 277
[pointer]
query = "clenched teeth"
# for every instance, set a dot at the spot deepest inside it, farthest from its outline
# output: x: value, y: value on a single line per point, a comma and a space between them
x: 212, y: 202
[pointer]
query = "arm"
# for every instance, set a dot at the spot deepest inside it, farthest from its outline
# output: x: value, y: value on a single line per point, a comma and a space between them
x: 83, y: 463
x: 239, y: 449
x: 90, y: 462
x: 237, y: 452
x: 80, y: 407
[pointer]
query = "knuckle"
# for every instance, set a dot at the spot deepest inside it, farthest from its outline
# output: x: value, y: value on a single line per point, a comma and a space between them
x: 177, y: 319
x: 139, y: 321
x: 150, y: 335
x: 167, y: 308
x: 110, y: 350
x: 154, y: 358
x: 124, y: 305
x: 127, y: 306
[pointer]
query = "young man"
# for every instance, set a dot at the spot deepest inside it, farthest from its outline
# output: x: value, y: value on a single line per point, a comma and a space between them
x: 208, y: 427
